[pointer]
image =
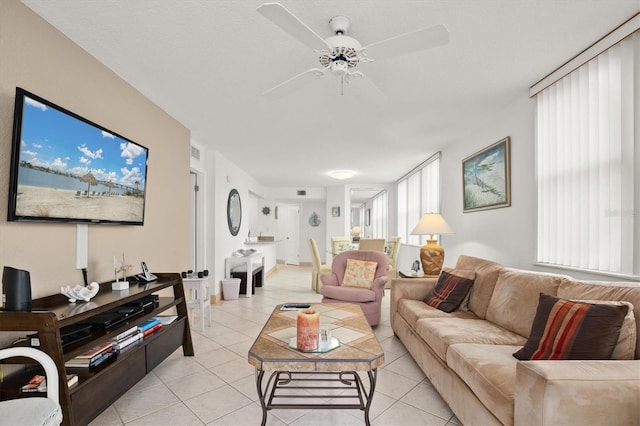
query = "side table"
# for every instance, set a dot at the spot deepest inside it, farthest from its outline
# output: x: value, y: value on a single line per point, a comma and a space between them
x: 197, y: 292
x: 248, y: 262
x: 413, y: 274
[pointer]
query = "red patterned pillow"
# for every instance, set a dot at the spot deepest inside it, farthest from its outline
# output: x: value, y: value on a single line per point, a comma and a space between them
x: 565, y: 329
x: 452, y: 287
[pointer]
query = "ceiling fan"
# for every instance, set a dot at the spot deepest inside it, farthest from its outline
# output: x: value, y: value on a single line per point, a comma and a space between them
x: 340, y: 54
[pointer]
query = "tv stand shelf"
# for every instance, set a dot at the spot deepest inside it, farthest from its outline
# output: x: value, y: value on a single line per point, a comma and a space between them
x: 99, y: 387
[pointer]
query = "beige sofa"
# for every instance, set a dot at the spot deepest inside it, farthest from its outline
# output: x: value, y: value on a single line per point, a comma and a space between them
x: 468, y: 353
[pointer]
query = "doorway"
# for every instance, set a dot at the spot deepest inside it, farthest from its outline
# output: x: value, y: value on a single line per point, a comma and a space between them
x: 291, y: 220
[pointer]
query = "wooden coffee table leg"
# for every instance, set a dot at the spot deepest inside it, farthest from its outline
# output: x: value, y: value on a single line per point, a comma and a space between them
x: 259, y: 376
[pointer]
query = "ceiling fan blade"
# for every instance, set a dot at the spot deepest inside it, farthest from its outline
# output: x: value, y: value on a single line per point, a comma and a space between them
x: 364, y: 88
x: 425, y: 38
x: 294, y: 83
x: 279, y: 15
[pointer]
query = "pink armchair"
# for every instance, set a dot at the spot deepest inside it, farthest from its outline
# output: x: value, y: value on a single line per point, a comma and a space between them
x: 370, y: 300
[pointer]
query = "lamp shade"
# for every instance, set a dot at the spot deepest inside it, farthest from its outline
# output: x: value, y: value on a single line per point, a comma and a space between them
x: 356, y: 230
x: 432, y: 223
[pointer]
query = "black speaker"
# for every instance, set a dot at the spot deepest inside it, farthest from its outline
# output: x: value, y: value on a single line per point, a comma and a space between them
x: 16, y: 285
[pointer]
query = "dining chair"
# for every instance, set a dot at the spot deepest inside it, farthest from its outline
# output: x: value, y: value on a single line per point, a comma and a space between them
x: 375, y: 244
x: 33, y: 410
x: 340, y: 244
x: 318, y: 267
x: 393, y: 250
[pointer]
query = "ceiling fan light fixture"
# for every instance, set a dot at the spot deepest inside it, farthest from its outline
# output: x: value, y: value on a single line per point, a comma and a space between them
x: 341, y: 174
x: 341, y: 53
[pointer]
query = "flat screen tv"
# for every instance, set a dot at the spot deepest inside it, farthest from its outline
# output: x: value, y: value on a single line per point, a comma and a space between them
x: 65, y: 168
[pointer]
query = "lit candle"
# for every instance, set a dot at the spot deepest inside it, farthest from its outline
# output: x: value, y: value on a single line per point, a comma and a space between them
x: 308, y: 330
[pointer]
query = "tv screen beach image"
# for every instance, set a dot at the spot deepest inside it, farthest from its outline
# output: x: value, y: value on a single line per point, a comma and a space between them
x: 71, y: 169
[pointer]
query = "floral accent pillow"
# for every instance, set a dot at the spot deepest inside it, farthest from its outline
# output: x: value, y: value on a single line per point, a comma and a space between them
x: 359, y: 273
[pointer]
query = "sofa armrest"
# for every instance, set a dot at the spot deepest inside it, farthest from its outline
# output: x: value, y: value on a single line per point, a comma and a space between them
x: 577, y: 392
x: 329, y: 279
x: 409, y: 288
x: 378, y: 287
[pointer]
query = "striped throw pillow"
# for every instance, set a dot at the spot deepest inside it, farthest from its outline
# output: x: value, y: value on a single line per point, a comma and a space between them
x: 566, y: 329
x: 452, y: 287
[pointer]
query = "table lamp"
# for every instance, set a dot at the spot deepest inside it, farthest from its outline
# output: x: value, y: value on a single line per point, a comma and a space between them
x: 431, y: 254
x: 356, y: 233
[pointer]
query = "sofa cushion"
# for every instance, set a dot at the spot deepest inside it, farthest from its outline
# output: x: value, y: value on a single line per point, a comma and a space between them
x: 490, y: 372
x: 348, y: 294
x: 413, y: 310
x: 486, y: 277
x: 359, y: 273
x: 451, y: 289
x: 515, y: 298
x: 440, y: 333
x: 564, y: 329
x: 593, y: 290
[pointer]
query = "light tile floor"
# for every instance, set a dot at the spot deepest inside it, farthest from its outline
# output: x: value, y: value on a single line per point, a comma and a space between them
x: 217, y: 385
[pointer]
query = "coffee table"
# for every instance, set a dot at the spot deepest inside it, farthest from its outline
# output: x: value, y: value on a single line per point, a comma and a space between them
x: 306, y: 373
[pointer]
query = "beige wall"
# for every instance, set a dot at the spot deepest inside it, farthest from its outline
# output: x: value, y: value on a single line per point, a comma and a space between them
x: 35, y: 56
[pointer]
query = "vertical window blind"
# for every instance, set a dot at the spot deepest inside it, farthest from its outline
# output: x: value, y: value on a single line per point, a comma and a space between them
x: 418, y: 193
x: 587, y: 164
x: 379, y: 215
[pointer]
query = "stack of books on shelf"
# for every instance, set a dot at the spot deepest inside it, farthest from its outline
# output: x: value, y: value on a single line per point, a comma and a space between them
x: 94, y: 356
x: 99, y: 354
x: 149, y: 326
x: 127, y: 338
x: 38, y: 383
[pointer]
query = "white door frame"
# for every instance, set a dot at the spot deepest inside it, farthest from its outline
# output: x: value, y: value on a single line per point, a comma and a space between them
x: 197, y: 227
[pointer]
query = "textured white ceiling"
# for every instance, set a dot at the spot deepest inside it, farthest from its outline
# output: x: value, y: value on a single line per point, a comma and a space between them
x: 207, y: 62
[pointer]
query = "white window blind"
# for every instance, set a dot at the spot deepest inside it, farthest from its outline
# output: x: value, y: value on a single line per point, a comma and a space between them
x: 587, y: 160
x: 379, y: 215
x: 418, y: 193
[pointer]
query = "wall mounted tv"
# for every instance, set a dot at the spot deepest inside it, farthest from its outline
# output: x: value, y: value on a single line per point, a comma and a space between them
x: 65, y: 168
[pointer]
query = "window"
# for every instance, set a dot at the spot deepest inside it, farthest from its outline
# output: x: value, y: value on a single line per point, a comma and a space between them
x: 418, y: 193
x: 379, y: 215
x: 588, y: 164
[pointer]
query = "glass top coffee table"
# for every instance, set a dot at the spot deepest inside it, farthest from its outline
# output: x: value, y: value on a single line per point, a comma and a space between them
x: 297, y: 375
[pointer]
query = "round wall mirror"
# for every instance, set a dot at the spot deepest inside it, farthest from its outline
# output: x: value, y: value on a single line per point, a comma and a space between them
x: 234, y: 212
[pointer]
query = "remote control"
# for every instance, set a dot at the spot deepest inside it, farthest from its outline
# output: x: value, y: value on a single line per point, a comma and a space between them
x: 294, y: 306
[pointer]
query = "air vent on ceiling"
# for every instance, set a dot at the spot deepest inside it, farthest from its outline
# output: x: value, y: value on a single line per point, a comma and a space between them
x: 302, y: 192
x: 195, y: 153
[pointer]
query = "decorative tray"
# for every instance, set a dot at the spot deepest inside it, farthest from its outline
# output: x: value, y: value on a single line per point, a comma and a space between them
x: 332, y: 344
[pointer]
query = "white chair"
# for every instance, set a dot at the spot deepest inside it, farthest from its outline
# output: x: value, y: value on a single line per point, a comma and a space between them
x: 33, y: 410
x: 318, y: 267
x: 340, y: 244
x: 393, y: 250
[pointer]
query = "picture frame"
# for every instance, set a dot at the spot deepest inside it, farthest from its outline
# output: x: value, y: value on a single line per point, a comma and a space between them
x: 486, y: 178
x: 335, y: 211
x: 367, y: 217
